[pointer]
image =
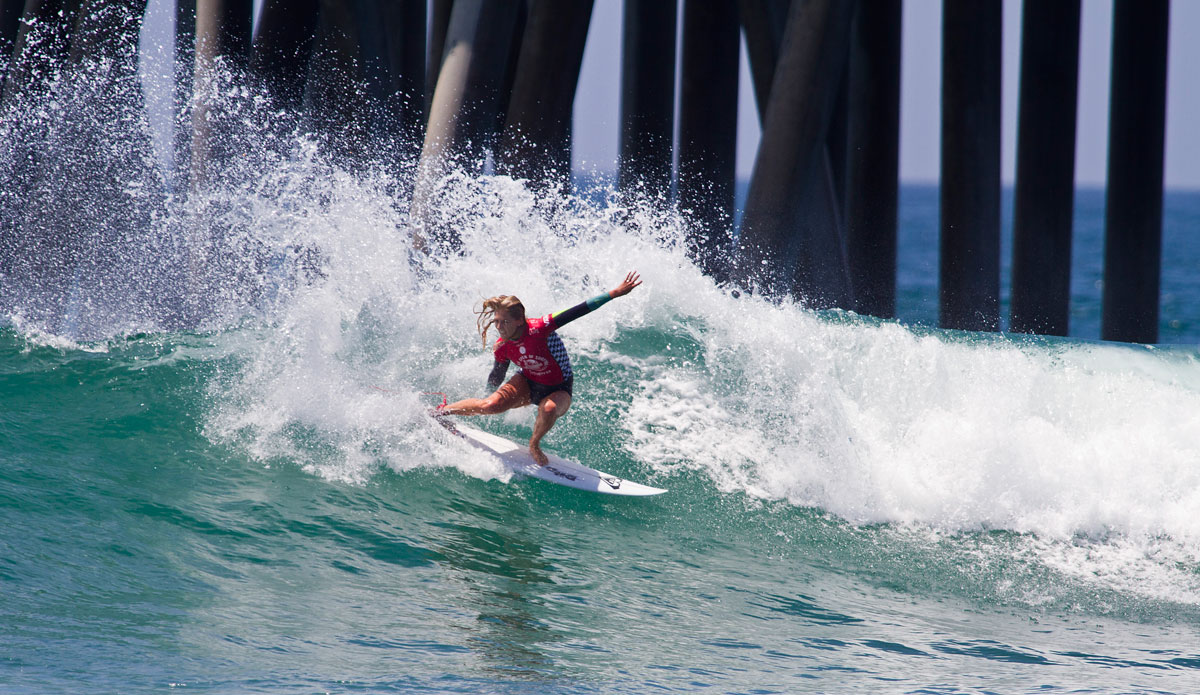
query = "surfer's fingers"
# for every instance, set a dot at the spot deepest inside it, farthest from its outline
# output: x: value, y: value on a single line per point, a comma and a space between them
x: 631, y: 281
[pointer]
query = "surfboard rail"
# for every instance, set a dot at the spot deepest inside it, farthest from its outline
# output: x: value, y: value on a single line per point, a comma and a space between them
x: 559, y: 470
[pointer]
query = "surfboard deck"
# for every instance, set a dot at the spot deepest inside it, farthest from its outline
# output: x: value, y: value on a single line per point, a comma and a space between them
x: 559, y: 470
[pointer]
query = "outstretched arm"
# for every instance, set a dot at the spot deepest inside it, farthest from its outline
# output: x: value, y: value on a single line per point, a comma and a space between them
x: 562, y: 318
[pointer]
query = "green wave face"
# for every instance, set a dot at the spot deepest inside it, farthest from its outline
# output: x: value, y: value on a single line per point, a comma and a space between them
x: 217, y: 471
x: 243, y: 509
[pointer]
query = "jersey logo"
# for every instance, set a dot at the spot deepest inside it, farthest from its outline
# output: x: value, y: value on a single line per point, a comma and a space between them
x: 537, y: 365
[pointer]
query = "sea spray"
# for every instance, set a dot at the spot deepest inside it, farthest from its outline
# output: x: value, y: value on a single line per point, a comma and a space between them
x: 372, y: 318
x: 1085, y: 452
x: 202, y: 487
x: 870, y: 420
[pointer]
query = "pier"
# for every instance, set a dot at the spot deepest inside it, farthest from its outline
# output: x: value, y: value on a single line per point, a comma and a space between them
x: 490, y: 85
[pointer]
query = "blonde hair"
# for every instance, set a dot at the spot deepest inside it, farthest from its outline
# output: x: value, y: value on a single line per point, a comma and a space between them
x: 487, y: 315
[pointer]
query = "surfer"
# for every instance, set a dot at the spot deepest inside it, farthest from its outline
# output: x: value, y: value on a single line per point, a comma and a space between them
x: 544, y: 377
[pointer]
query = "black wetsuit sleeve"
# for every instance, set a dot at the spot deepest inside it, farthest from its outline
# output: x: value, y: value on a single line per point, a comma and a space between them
x: 497, y: 376
x: 562, y: 318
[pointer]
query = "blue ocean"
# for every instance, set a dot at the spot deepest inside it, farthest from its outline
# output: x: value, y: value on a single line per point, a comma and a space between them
x: 203, y: 488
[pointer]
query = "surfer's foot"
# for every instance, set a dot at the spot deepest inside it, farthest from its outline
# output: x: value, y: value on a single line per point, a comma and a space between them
x: 439, y: 411
x: 536, y: 452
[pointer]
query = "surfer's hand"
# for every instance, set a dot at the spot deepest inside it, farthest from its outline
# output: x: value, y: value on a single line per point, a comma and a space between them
x: 632, y: 280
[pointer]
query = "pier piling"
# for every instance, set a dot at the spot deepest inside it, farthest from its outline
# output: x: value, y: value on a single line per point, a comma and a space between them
x: 708, y: 128
x: 463, y: 113
x: 1133, y: 209
x: 1045, y: 186
x: 42, y: 41
x: 535, y: 143
x: 645, y: 158
x: 185, y: 70
x: 873, y: 156
x: 108, y: 29
x: 222, y: 43
x: 282, y: 49
x: 439, y: 23
x: 790, y: 241
x: 473, y: 69
x: 969, y: 288
x: 10, y: 23
x: 223, y: 32
x: 340, y: 101
x: 763, y: 23
x: 404, y: 26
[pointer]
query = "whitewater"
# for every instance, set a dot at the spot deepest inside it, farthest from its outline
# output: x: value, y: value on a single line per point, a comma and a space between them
x: 203, y: 487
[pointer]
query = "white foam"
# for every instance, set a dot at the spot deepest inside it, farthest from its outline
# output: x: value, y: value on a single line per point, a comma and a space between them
x: 34, y: 336
x: 871, y: 421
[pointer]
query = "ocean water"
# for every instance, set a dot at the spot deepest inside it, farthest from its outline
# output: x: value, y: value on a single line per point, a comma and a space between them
x: 1179, y: 312
x: 203, y: 488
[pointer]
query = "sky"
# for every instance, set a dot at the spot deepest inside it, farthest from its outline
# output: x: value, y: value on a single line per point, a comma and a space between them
x: 597, y: 101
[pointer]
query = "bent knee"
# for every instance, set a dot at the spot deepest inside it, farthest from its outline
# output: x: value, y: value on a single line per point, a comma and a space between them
x: 554, y: 407
x: 492, y: 406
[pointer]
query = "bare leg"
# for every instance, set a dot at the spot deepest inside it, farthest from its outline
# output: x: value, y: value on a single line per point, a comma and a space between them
x: 513, y: 394
x: 549, y: 411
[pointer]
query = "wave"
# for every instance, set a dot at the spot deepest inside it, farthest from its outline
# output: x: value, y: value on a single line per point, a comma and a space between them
x: 873, y: 421
x: 1086, y: 449
x: 306, y: 267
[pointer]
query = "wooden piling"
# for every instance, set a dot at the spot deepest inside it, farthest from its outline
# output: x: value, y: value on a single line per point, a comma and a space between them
x: 404, y: 24
x: 969, y: 288
x: 463, y: 113
x: 185, y: 70
x: 10, y: 24
x: 34, y: 253
x: 790, y: 240
x: 108, y: 29
x: 439, y: 24
x: 509, y: 80
x: 337, y: 104
x: 536, y: 140
x: 647, y: 128
x: 83, y: 180
x: 835, y: 143
x: 708, y: 128
x: 373, y: 45
x: 1045, y: 185
x: 873, y: 156
x: 222, y: 38
x: 223, y: 30
x: 282, y: 50
x: 42, y: 42
x: 478, y: 42
x: 364, y: 93
x: 763, y: 22
x: 1133, y: 210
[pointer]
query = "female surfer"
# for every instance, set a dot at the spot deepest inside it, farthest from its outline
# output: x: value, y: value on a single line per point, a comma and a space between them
x: 544, y: 378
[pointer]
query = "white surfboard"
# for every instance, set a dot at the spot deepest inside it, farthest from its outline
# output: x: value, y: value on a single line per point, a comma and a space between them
x: 559, y: 470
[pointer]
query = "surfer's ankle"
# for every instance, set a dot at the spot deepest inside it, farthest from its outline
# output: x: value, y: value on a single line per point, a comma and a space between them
x: 536, y: 452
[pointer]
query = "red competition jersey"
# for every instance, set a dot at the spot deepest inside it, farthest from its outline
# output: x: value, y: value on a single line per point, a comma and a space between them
x: 540, y: 353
